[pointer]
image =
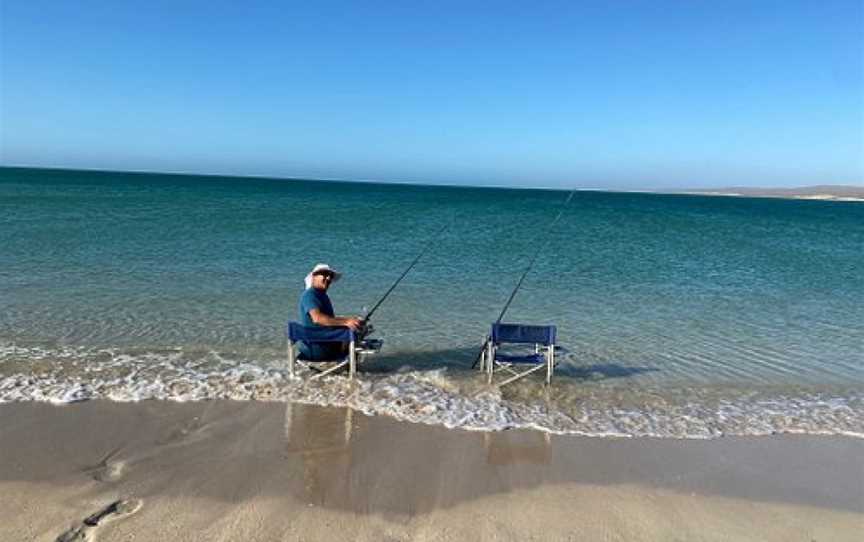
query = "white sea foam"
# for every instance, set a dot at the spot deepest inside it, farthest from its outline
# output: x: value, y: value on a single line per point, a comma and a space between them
x: 454, y: 399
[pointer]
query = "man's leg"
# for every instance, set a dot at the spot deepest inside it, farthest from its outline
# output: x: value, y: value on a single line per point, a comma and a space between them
x: 312, y: 351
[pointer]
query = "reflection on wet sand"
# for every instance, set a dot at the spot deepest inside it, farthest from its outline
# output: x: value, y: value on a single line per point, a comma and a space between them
x: 350, y: 463
x: 510, y: 448
x: 323, y: 444
x: 231, y: 452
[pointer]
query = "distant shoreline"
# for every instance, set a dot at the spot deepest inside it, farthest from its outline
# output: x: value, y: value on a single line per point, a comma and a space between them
x: 816, y: 192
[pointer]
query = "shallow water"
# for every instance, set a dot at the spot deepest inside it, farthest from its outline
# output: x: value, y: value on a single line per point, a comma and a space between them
x: 681, y: 315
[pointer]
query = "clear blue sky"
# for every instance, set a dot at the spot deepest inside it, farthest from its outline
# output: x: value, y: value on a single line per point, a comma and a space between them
x: 617, y: 94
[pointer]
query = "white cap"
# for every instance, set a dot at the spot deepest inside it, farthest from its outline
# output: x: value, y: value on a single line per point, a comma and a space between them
x: 317, y: 269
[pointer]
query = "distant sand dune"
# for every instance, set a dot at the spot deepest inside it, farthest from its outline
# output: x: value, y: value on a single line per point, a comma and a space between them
x: 817, y: 192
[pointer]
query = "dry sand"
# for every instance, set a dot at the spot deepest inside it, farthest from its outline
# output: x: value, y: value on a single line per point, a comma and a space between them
x: 268, y: 471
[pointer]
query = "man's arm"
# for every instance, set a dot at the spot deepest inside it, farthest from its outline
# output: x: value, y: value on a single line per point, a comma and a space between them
x: 323, y: 320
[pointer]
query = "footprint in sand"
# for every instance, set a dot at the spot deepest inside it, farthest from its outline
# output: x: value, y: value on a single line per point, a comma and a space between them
x: 108, y: 471
x: 187, y: 431
x: 87, y: 529
x: 76, y: 534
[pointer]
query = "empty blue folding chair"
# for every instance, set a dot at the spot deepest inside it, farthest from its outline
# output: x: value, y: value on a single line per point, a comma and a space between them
x: 357, y: 350
x: 515, y: 360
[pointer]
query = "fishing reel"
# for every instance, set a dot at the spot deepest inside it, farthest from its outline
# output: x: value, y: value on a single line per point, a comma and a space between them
x: 366, y: 343
x: 365, y: 330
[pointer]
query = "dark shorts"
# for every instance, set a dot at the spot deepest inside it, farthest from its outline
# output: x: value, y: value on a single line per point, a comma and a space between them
x: 320, y: 351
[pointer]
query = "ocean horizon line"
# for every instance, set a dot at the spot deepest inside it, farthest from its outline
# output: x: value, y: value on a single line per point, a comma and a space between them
x: 305, y: 179
x: 739, y: 192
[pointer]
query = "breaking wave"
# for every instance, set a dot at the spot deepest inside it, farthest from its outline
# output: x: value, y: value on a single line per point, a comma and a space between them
x: 447, y: 397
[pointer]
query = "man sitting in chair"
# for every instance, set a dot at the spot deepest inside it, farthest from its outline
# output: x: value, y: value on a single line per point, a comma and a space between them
x: 316, y: 310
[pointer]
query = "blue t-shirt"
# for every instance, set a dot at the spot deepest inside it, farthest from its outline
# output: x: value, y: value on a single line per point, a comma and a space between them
x: 314, y: 298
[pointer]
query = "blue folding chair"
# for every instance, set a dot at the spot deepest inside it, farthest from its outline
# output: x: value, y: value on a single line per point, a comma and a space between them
x: 357, y: 350
x: 497, y: 357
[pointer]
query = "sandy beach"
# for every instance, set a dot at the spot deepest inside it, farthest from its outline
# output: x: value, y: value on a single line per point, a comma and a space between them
x: 223, y: 470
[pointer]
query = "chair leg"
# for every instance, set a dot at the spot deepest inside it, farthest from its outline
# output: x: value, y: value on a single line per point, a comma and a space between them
x: 331, y: 370
x: 517, y: 376
x: 490, y: 361
x: 484, y: 359
x: 352, y: 360
x: 291, y: 356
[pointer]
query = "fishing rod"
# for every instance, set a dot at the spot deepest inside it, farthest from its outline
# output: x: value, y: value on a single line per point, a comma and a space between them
x: 525, y: 274
x: 404, y: 273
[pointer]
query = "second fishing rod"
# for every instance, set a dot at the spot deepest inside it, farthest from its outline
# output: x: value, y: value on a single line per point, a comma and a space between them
x: 525, y: 273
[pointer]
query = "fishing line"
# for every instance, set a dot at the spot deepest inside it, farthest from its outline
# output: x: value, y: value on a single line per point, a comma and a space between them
x: 404, y: 273
x: 527, y: 270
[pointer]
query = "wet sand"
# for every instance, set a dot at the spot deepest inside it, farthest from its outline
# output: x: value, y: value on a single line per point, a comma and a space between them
x: 224, y: 470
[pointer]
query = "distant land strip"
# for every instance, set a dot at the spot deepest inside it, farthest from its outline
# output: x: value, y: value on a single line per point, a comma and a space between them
x: 819, y: 192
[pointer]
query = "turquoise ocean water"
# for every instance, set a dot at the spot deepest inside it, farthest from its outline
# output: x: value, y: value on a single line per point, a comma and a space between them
x: 682, y: 316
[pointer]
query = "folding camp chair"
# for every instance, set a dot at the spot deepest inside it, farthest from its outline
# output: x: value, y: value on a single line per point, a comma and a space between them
x: 496, y: 359
x: 357, y: 350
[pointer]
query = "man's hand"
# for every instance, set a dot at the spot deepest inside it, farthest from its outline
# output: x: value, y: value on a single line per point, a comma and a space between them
x: 354, y: 323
